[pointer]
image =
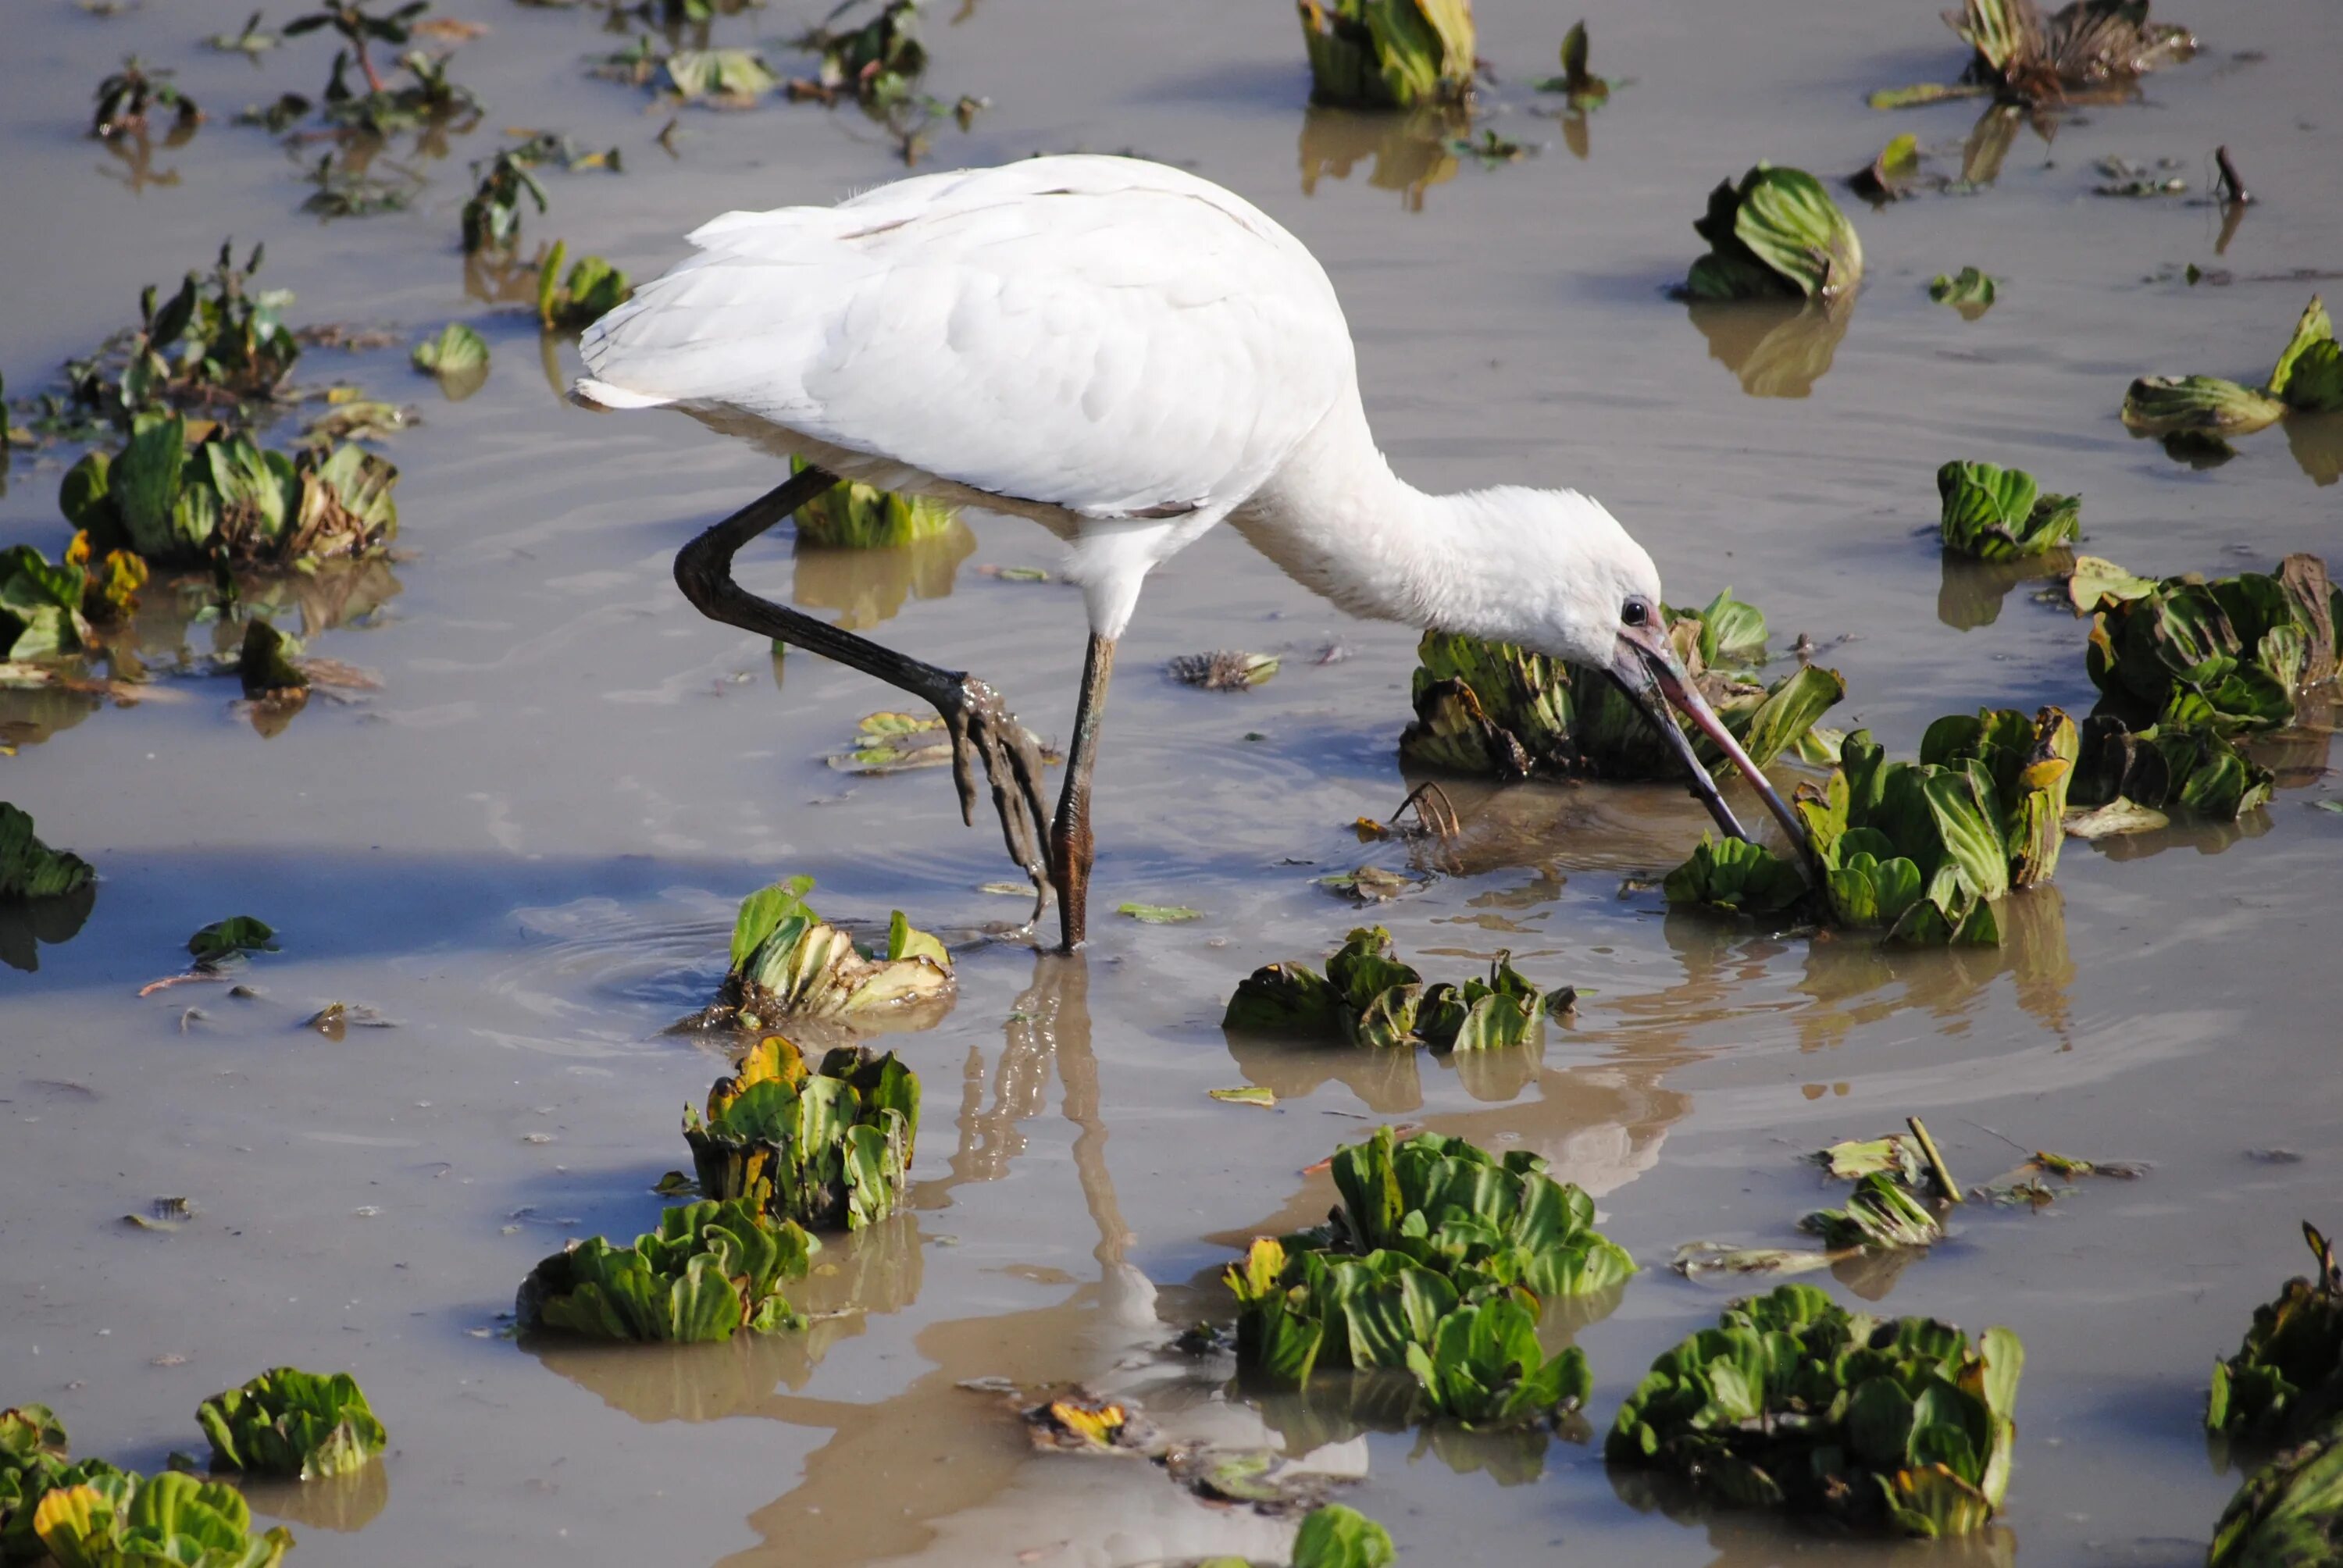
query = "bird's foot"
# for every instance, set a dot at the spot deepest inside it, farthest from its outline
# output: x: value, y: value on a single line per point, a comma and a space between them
x: 984, y: 731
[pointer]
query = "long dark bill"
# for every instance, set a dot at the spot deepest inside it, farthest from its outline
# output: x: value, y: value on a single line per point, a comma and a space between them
x: 1663, y: 682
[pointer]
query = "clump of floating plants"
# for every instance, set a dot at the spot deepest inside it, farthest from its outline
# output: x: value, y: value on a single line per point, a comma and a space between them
x: 30, y: 869
x: 853, y: 516
x: 1491, y: 707
x: 1969, y: 291
x: 1793, y: 1403
x: 33, y: 1464
x: 878, y: 64
x: 2205, y: 410
x: 2092, y: 48
x: 1922, y: 848
x: 1389, y: 54
x: 49, y: 607
x: 130, y: 98
x: 2289, y: 1512
x: 1777, y: 235
x: 2287, y: 1379
x: 1999, y: 514
x: 293, y: 1425
x: 1436, y: 1259
x: 1367, y: 997
x: 593, y: 288
x: 829, y: 1147
x: 726, y: 78
x: 787, y: 963
x: 710, y: 1270
x: 120, y: 1517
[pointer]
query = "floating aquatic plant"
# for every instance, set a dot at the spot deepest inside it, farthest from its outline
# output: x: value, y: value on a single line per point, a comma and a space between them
x: 2309, y: 377
x: 1777, y: 234
x: 2287, y: 1379
x: 2237, y: 653
x: 850, y: 515
x: 29, y: 869
x: 878, y: 62
x: 710, y: 1270
x: 1581, y: 88
x: 492, y: 215
x: 2289, y: 1512
x: 292, y: 1424
x: 123, y: 1519
x: 223, y: 499
x: 1793, y: 1403
x: 1996, y: 513
x: 593, y: 288
x: 1224, y: 669
x: 1430, y: 1230
x: 1388, y: 53
x: 1969, y: 291
x: 829, y: 1147
x: 128, y: 97
x: 787, y: 961
x: 360, y: 29
x: 2090, y: 48
x: 457, y: 357
x: 1367, y: 997
x: 1923, y: 849
x: 1491, y: 707
x: 2190, y: 767
x: 217, y: 349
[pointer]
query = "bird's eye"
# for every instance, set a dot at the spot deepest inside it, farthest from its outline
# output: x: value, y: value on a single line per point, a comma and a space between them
x: 1634, y: 612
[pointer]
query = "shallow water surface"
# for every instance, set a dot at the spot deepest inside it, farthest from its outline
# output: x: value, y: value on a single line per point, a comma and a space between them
x: 524, y: 846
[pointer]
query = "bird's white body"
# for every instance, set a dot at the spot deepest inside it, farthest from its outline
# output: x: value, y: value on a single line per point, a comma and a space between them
x: 1122, y: 351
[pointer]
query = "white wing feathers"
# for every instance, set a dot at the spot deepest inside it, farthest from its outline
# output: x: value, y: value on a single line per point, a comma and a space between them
x: 1104, y: 335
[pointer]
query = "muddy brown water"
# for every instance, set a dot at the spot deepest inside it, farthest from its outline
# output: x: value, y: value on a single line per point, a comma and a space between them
x: 524, y: 847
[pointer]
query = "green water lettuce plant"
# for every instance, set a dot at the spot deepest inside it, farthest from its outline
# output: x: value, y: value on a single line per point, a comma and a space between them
x: 1969, y: 291
x: 2289, y: 1512
x: 787, y: 961
x: 2309, y: 377
x: 48, y: 608
x: 1776, y: 235
x: 33, y: 1464
x: 1334, y: 1536
x: 29, y: 869
x: 1998, y: 514
x: 224, y: 500
x: 710, y: 1270
x: 2236, y: 653
x: 1388, y: 53
x: 292, y: 1425
x: 218, y: 348
x: 1428, y: 1228
x: 1882, y: 1213
x: 2287, y: 1379
x: 854, y: 516
x: 829, y: 1147
x: 2190, y: 767
x: 457, y: 357
x: 1793, y: 1403
x: 1923, y: 849
x: 1367, y: 997
x: 1491, y: 707
x: 123, y: 1519
x: 592, y: 288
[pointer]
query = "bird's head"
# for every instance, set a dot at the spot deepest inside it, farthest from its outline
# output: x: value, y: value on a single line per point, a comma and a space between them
x: 1589, y: 593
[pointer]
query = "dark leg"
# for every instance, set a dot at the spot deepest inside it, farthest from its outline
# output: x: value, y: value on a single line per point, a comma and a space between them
x: 982, y: 728
x: 1069, y: 835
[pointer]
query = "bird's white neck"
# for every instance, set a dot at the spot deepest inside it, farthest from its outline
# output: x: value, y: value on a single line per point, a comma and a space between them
x: 1340, y: 522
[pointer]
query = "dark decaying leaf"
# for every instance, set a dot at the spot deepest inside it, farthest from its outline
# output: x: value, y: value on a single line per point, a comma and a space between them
x: 2286, y: 1381
x: 2091, y: 48
x: 30, y: 869
x: 265, y: 663
x: 1226, y: 669
x: 230, y: 938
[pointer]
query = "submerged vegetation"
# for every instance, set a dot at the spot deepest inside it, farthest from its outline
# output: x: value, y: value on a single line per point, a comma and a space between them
x: 2286, y: 1382
x: 292, y: 1424
x: 1489, y: 708
x: 1367, y: 997
x: 1433, y: 1240
x: 1793, y: 1403
x: 1389, y: 54
x: 787, y: 963
x: 1776, y: 235
x: 710, y: 1270
x: 829, y: 1147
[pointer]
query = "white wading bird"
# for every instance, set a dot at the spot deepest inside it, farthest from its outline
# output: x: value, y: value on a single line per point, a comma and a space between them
x: 1128, y: 355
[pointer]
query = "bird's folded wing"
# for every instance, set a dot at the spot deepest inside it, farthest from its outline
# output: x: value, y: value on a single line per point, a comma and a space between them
x: 1104, y: 335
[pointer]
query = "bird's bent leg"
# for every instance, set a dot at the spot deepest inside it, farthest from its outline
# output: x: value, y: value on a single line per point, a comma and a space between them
x: 1071, y: 845
x: 982, y: 728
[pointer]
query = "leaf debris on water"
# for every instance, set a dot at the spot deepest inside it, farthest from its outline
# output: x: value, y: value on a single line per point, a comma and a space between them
x: 1251, y: 1094
x: 1159, y: 914
x: 1225, y: 670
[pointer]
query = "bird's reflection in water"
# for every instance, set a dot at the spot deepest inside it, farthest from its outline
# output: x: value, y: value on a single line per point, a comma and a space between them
x: 1411, y: 149
x: 1755, y: 1538
x: 866, y: 587
x: 1778, y: 347
x: 1972, y: 592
